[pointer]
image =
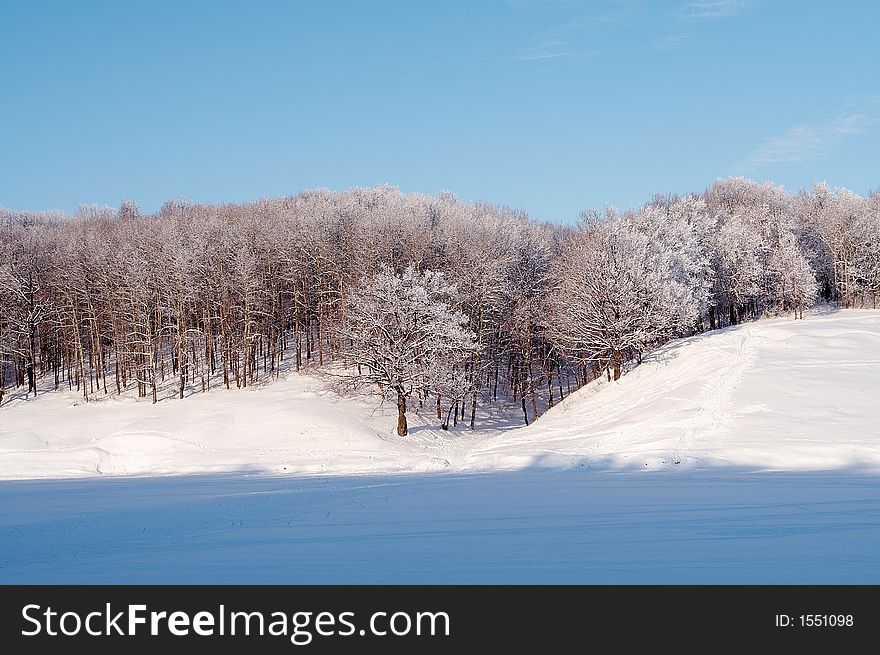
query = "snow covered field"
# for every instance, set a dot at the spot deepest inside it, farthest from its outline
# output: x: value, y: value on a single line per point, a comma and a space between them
x: 528, y: 527
x: 745, y: 455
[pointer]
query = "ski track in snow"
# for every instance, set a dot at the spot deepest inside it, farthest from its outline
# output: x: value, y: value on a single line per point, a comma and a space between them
x: 715, y: 415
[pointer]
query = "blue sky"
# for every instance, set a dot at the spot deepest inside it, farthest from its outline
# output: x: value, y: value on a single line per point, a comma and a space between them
x: 552, y: 106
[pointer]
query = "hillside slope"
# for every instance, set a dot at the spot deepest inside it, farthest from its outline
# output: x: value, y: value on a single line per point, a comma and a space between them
x: 774, y: 394
x: 770, y: 395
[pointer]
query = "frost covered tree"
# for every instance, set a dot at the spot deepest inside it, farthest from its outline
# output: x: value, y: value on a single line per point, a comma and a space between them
x: 526, y: 313
x: 868, y: 253
x: 836, y: 218
x: 749, y: 217
x: 620, y: 290
x: 484, y: 256
x: 401, y: 335
x: 680, y: 230
x: 796, y: 280
x: 27, y: 305
x: 196, y: 295
x: 739, y: 275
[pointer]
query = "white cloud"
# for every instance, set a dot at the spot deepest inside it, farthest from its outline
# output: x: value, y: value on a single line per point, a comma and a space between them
x: 566, y: 38
x: 673, y: 42
x: 706, y: 9
x: 806, y: 142
x: 544, y: 49
x: 538, y: 56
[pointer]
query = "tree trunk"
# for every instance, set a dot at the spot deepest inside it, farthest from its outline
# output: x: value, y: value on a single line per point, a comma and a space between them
x: 533, y: 393
x: 617, y: 364
x: 152, y: 374
x: 401, y: 415
x: 32, y: 361
x: 445, y: 425
x: 559, y: 380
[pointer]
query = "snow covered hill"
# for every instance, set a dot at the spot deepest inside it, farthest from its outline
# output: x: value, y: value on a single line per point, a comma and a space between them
x: 771, y: 395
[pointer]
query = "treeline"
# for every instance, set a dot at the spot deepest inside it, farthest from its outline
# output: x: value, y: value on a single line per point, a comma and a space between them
x: 110, y: 300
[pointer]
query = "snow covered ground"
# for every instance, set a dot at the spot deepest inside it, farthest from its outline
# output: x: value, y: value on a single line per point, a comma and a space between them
x: 532, y: 526
x: 289, y: 426
x: 769, y: 395
x: 746, y: 455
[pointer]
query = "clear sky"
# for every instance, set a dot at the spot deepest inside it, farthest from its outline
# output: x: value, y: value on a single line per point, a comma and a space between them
x: 551, y: 106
